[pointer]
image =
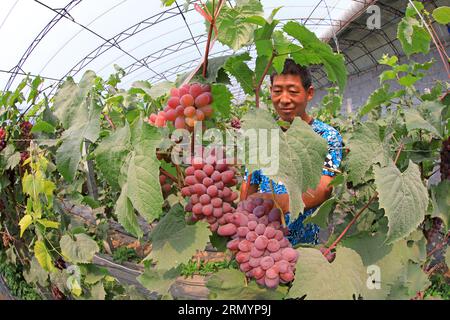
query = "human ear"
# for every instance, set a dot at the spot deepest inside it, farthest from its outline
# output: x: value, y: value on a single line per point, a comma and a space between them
x: 310, y: 93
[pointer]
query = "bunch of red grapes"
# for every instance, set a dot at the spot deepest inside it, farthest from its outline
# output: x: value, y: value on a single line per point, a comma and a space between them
x: 258, y: 239
x: 2, y: 139
x: 186, y: 106
x: 208, y: 184
x: 166, y: 184
x: 25, y: 135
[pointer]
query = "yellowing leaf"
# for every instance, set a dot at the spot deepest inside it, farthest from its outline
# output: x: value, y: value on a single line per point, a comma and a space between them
x: 24, y: 223
x: 43, y: 257
x: 49, y: 224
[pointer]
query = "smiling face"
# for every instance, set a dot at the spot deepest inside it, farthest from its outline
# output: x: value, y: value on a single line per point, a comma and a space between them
x: 289, y: 97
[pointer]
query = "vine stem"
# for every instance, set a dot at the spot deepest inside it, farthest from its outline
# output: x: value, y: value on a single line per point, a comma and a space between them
x: 168, y: 175
x: 211, y: 29
x: 374, y: 197
x: 258, y: 87
x: 111, y: 123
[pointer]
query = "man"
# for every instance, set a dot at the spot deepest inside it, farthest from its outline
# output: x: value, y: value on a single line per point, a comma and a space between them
x: 291, y: 91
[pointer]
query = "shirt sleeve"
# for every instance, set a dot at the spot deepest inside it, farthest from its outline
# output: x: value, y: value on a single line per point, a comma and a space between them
x: 334, y: 157
x: 256, y: 177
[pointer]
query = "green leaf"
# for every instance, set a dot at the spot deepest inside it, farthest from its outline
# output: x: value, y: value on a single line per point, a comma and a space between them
x: 174, y: 242
x: 390, y: 61
x: 233, y: 29
x: 229, y: 284
x: 49, y: 224
x: 366, y: 149
x: 82, y: 250
x: 442, y: 15
x: 300, y: 155
x: 71, y: 97
x: 222, y: 99
x: 413, y: 37
x: 43, y: 256
x: 167, y: 3
x: 403, y: 197
x: 24, y: 223
x: 392, y: 260
x: 318, y: 51
x: 414, y: 121
x: 408, y: 80
x: 42, y: 126
x: 158, y: 90
x: 144, y: 189
x: 319, y: 280
x: 68, y: 157
x: 440, y: 195
x: 378, y: 98
x: 320, y: 216
x: 36, y: 274
x: 387, y: 75
x: 125, y: 214
x: 98, y: 291
x: 111, y: 153
x: 160, y: 281
x: 237, y: 67
x: 94, y: 273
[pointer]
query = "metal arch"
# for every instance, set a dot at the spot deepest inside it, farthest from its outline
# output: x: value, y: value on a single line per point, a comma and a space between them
x: 164, y: 52
x: 359, y: 44
x: 120, y: 37
x: 183, y: 67
x: 18, y: 68
x: 188, y: 27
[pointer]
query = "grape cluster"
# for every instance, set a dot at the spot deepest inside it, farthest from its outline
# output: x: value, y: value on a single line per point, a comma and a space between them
x: 445, y: 160
x: 258, y: 240
x: 208, y: 184
x: 236, y: 123
x: 166, y: 184
x: 2, y: 139
x: 25, y: 135
x: 186, y: 105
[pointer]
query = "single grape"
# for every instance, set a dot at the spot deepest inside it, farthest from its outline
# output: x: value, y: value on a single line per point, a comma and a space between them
x: 209, y: 169
x: 227, y: 230
x: 260, y: 229
x: 251, y: 236
x: 242, y: 257
x: 259, y: 211
x: 195, y: 90
x: 261, y: 242
x: 212, y: 191
x: 289, y: 254
x: 207, y: 210
x: 271, y: 283
x: 218, y: 213
x: 233, y: 244
x: 252, y: 225
x: 197, y: 209
x: 203, y: 100
x: 258, y: 273
x: 267, y: 263
x: 270, y: 232
x: 187, y: 101
x: 216, y: 202
x: 205, y: 199
x: 255, y: 253
x: 242, y: 232
x: 274, y: 215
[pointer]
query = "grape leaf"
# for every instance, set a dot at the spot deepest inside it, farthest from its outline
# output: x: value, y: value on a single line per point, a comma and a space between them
x: 43, y: 256
x: 125, y: 214
x: 82, y: 250
x: 413, y: 37
x: 318, y: 51
x: 85, y: 125
x: 144, y: 189
x: 237, y: 67
x: 442, y: 15
x: 98, y: 292
x: 447, y: 257
x: 366, y: 149
x: 222, y: 99
x: 233, y: 29
x: 111, y: 153
x: 319, y: 280
x: 36, y: 274
x: 377, y: 98
x: 174, y: 242
x: 229, y: 284
x: 320, y: 216
x: 414, y: 121
x: 440, y: 196
x: 157, y: 280
x: 403, y: 197
x: 391, y: 259
x: 72, y: 97
x: 300, y: 155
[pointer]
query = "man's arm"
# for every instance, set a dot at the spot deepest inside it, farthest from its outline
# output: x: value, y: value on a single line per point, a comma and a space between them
x: 312, y: 198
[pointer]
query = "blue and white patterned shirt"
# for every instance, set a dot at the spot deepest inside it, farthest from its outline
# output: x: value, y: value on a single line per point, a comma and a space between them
x: 308, y: 233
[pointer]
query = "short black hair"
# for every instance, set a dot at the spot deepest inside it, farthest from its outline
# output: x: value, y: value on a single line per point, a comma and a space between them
x: 290, y: 67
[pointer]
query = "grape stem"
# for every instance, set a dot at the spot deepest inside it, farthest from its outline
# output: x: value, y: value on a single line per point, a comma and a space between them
x: 283, y: 220
x: 168, y: 175
x: 374, y: 197
x: 111, y: 123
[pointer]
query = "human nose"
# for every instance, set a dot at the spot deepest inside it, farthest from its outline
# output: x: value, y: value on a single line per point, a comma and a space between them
x: 285, y: 98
